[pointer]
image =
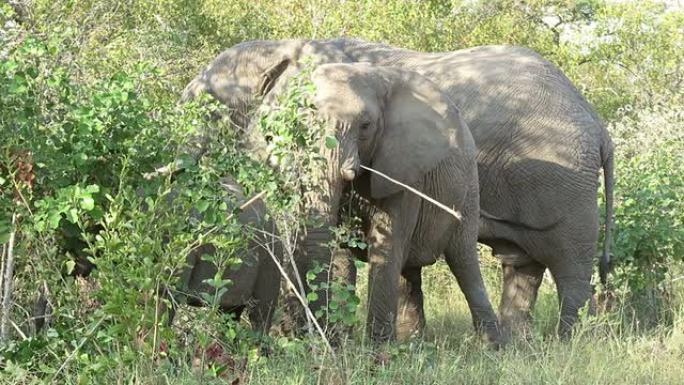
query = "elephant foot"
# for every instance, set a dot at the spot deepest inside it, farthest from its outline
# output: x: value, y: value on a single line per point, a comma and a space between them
x: 382, y: 358
x: 492, y: 334
x: 411, y: 316
x: 338, y: 334
x: 381, y: 332
x: 566, y: 328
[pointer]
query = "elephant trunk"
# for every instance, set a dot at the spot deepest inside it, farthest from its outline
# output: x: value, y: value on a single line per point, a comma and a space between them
x: 316, y: 249
x: 350, y: 162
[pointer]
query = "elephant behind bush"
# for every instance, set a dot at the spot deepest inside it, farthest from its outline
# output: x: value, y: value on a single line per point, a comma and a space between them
x: 254, y: 283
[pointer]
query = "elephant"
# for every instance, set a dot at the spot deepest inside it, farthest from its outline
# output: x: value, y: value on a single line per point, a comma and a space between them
x: 540, y: 147
x: 400, y: 124
x: 255, y: 282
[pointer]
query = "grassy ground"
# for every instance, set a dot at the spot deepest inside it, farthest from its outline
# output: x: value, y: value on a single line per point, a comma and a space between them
x: 604, y: 351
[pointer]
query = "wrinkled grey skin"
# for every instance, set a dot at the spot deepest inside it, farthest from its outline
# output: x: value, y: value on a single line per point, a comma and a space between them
x: 377, y: 113
x: 540, y: 149
x: 255, y: 283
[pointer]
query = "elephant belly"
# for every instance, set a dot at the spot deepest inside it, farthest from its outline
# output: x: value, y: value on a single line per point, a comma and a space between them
x: 435, y: 227
x: 431, y: 236
x: 420, y: 256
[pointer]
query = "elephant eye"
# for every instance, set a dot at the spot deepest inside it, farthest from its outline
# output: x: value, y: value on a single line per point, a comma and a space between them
x: 365, y: 126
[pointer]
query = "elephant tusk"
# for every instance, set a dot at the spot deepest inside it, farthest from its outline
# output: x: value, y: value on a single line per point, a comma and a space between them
x: 456, y: 214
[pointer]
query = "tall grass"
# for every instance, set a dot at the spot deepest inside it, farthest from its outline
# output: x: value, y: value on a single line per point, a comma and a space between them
x: 604, y: 351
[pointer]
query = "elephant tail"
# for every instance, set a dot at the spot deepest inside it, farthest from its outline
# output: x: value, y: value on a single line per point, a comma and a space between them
x: 608, y: 182
x: 194, y: 88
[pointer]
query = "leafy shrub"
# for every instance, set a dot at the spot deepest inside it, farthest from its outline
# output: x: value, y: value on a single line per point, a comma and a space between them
x: 649, y: 215
x: 87, y: 147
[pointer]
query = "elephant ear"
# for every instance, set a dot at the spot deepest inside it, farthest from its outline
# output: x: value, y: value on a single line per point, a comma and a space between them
x: 420, y: 129
x: 291, y: 61
x: 271, y: 75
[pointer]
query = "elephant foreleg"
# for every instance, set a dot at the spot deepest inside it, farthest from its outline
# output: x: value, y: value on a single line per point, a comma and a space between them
x: 463, y: 260
x: 344, y: 269
x: 383, y: 286
x: 389, y: 236
x: 411, y: 317
x: 520, y: 287
x: 266, y: 290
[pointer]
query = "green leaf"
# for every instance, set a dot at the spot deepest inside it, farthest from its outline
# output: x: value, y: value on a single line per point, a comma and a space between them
x: 312, y: 297
x: 93, y: 188
x: 349, y: 319
x: 330, y: 142
x: 53, y: 220
x: 87, y: 203
x: 202, y: 206
x: 70, y: 265
x: 72, y: 216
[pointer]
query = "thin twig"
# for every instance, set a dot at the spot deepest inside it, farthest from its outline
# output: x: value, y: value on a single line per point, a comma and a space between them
x: 302, y: 291
x: 2, y: 272
x: 442, y: 206
x: 252, y: 200
x: 7, y: 291
x: 301, y: 300
x: 80, y: 345
x: 16, y: 327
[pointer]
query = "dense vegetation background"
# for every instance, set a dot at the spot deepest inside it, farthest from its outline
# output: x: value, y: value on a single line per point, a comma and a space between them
x: 88, y: 104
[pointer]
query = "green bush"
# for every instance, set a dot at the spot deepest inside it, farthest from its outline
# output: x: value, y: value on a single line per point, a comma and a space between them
x: 649, y: 215
x: 84, y: 195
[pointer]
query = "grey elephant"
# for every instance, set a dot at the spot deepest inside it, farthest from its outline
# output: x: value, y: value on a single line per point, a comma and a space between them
x: 254, y: 283
x: 402, y: 125
x: 540, y: 148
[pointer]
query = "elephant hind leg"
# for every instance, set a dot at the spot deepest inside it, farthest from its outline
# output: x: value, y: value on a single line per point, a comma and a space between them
x: 573, y: 281
x: 520, y: 287
x: 411, y: 316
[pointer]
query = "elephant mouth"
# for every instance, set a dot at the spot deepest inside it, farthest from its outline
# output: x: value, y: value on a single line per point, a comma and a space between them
x: 348, y: 174
x: 350, y: 168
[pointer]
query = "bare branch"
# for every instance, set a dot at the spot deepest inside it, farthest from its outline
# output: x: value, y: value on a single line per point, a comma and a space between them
x: 7, y: 290
x: 455, y: 213
x: 21, y: 333
x: 2, y: 271
x: 291, y: 247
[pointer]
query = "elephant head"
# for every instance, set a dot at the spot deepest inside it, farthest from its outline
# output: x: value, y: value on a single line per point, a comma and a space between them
x: 392, y: 120
x: 244, y: 73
